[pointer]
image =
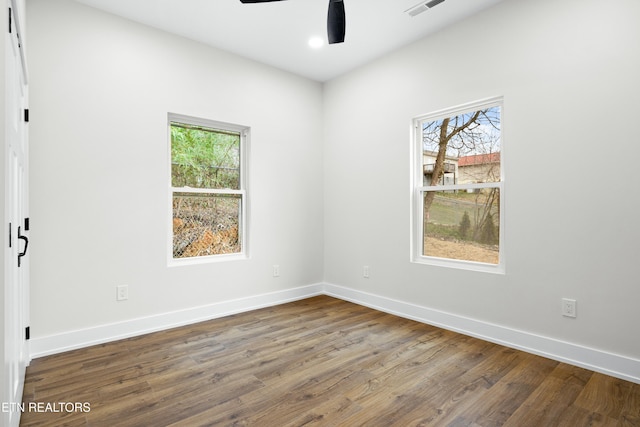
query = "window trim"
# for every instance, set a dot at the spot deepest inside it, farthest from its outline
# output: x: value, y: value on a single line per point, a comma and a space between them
x: 418, y: 188
x: 244, y: 132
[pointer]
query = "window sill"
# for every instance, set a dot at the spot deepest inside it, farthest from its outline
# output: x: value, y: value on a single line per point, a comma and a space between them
x: 460, y: 264
x: 212, y: 259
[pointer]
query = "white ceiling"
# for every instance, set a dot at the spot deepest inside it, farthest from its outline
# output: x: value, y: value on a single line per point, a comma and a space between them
x: 278, y: 33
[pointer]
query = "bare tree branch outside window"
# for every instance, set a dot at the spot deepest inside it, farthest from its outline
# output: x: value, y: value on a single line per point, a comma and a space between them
x: 467, y: 145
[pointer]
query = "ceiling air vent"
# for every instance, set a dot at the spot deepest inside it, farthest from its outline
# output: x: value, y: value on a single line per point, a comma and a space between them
x: 421, y: 7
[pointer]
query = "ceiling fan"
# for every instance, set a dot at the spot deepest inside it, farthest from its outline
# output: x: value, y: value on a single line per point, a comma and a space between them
x: 336, y: 21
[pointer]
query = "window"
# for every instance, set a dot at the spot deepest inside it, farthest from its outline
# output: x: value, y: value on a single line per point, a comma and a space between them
x: 208, y: 189
x: 458, y: 215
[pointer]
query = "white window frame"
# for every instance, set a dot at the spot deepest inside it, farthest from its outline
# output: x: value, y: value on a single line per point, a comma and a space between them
x: 418, y: 188
x: 245, y: 133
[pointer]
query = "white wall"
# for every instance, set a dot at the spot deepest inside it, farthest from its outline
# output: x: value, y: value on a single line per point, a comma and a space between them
x: 568, y: 71
x: 101, y: 90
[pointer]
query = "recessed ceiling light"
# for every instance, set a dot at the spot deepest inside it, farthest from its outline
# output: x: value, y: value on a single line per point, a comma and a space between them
x: 316, y: 42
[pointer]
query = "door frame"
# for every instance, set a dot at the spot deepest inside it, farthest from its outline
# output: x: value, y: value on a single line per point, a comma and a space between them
x: 14, y: 320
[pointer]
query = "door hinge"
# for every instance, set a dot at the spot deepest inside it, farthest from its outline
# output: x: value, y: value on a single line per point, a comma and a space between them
x: 27, y: 223
x: 9, y: 234
x: 26, y: 115
x: 10, y: 23
x: 27, y: 333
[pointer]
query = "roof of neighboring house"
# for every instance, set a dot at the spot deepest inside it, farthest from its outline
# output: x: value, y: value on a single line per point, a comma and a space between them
x: 479, y: 159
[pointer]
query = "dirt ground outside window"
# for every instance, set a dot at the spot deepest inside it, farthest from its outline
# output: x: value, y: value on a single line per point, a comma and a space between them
x: 466, y: 251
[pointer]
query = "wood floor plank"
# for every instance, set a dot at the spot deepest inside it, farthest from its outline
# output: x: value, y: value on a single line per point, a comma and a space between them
x: 320, y: 362
x: 604, y: 395
x: 453, y: 394
x: 506, y: 396
x: 549, y: 403
x: 630, y: 414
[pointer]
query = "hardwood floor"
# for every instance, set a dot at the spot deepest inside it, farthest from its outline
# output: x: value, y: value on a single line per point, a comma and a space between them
x: 320, y: 361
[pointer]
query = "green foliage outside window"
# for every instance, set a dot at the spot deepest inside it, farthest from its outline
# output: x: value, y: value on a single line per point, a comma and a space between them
x: 207, y: 221
x: 204, y: 158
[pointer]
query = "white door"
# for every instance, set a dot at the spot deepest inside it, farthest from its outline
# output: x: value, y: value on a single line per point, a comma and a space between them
x: 16, y: 280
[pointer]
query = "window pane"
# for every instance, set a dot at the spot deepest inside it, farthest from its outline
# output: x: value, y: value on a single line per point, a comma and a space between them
x: 204, y: 158
x: 463, y: 225
x: 462, y: 149
x: 206, y: 224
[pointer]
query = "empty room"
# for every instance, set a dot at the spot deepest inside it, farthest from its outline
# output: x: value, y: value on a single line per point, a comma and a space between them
x: 321, y: 212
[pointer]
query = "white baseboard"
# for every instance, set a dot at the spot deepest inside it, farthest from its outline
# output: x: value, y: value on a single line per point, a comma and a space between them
x: 593, y: 359
x: 589, y: 358
x: 52, y: 344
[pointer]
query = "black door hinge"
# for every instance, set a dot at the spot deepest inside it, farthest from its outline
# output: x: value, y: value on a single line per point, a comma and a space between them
x: 27, y: 333
x: 10, y: 23
x: 27, y: 223
x: 26, y: 115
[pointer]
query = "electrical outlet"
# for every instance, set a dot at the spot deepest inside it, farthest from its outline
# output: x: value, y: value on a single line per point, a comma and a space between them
x: 569, y: 307
x: 276, y: 271
x: 365, y: 272
x: 122, y: 292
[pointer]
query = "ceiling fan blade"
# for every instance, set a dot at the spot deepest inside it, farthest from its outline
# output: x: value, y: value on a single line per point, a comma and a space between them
x: 257, y: 1
x: 336, y: 21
